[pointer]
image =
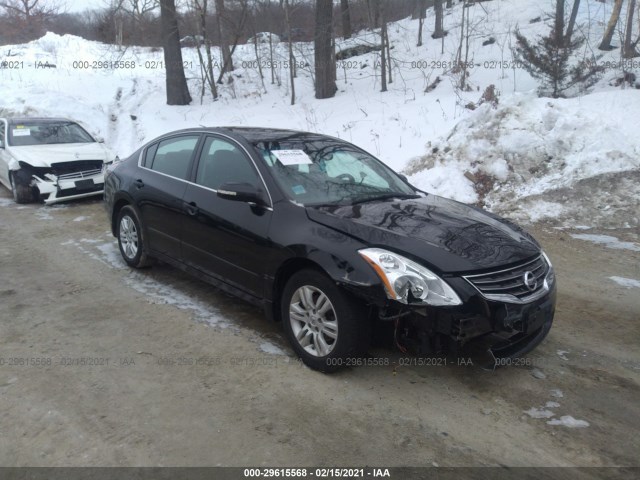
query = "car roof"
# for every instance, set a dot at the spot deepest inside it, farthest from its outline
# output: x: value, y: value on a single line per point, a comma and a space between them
x: 259, y: 134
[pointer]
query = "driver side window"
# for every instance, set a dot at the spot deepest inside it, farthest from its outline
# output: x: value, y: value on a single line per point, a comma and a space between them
x: 222, y: 162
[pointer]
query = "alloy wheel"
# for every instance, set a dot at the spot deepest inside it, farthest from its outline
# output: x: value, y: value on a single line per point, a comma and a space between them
x: 313, y: 320
x: 128, y: 237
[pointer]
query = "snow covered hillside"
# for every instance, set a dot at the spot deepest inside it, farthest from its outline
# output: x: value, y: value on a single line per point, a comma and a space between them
x: 573, y: 161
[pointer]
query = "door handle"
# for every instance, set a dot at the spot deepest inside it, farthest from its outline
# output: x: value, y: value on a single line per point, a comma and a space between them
x: 192, y: 208
x: 139, y: 183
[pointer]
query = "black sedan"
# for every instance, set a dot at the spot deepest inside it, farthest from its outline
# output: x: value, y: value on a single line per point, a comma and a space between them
x: 332, y: 242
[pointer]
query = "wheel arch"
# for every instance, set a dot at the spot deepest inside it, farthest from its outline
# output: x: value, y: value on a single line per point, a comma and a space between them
x: 118, y: 205
x: 358, y: 282
x: 284, y: 272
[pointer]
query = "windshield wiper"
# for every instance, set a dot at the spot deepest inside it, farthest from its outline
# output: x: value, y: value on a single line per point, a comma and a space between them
x: 385, y: 196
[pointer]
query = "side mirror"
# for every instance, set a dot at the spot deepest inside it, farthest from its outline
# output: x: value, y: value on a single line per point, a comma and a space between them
x: 241, y: 192
x: 404, y: 178
x: 99, y: 139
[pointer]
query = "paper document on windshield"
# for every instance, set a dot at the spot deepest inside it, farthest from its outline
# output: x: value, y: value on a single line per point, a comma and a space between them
x: 292, y: 157
x: 21, y: 132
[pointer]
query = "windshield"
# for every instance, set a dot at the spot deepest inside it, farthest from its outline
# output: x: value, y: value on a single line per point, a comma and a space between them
x: 318, y: 171
x: 46, y: 133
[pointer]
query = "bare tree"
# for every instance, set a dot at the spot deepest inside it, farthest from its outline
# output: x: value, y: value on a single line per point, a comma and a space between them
x: 346, y: 18
x: 177, y: 89
x: 223, y: 35
x: 373, y: 12
x: 422, y: 11
x: 325, y: 64
x: 438, y: 31
x: 558, y: 22
x: 200, y: 7
x: 629, y: 49
x: 138, y: 15
x: 572, y: 21
x: 29, y: 17
x: 292, y: 60
x: 383, y: 50
x: 605, y: 44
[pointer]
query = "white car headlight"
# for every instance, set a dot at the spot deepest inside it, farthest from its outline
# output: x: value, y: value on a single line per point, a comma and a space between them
x: 408, y: 282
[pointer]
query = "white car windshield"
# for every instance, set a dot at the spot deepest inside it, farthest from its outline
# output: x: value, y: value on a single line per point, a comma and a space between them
x: 46, y: 133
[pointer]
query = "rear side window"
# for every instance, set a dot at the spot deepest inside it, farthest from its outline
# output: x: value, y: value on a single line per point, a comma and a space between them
x: 2, y: 139
x: 173, y: 156
x: 149, y: 154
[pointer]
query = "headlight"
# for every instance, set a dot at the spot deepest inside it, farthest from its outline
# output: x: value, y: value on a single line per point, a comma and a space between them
x: 408, y: 282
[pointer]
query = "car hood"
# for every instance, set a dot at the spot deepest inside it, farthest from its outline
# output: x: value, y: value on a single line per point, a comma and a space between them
x: 45, y: 155
x: 443, y: 234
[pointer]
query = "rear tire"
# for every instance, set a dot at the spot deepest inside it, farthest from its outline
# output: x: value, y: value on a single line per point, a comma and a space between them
x: 130, y: 240
x: 22, y: 191
x: 327, y: 329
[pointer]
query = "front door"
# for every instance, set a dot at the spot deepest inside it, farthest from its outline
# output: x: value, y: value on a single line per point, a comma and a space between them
x: 226, y: 239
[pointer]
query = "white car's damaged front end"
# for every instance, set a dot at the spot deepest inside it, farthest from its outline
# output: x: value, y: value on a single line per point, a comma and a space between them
x: 68, y: 180
x: 51, y: 160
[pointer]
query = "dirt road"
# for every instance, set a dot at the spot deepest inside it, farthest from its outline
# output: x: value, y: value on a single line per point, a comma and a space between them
x: 102, y: 365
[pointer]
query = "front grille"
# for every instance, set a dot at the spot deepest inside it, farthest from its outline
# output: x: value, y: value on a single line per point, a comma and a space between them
x: 511, y: 282
x: 79, y: 175
x: 66, y: 168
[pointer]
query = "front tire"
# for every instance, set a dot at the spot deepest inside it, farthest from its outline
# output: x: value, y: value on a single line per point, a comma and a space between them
x: 130, y: 241
x: 326, y: 328
x: 22, y: 191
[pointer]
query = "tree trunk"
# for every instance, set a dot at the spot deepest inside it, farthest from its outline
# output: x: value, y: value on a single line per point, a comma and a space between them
x: 611, y: 26
x: 223, y: 34
x: 438, y: 31
x: 383, y: 50
x: 415, y: 13
x: 177, y: 89
x: 325, y: 65
x: 558, y: 29
x: 629, y: 50
x: 422, y: 5
x: 292, y: 70
x: 346, y: 18
x: 373, y: 13
x: 572, y: 22
x: 206, y: 64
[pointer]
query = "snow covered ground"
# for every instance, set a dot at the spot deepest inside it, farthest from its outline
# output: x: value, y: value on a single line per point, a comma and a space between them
x: 574, y: 161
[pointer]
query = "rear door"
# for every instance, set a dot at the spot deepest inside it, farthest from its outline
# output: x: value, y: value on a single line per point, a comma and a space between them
x: 226, y: 239
x: 158, y: 190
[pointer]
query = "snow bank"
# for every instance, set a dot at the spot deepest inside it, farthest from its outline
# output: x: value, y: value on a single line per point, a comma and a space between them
x: 540, y: 149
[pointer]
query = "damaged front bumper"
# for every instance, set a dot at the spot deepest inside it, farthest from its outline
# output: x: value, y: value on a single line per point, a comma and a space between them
x: 53, y: 189
x: 485, y: 330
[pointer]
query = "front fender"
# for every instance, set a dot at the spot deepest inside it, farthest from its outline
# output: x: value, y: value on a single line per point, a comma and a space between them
x: 337, y: 255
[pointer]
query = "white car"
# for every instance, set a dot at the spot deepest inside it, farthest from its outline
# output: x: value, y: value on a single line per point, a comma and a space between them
x: 51, y: 159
